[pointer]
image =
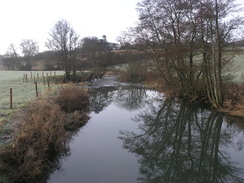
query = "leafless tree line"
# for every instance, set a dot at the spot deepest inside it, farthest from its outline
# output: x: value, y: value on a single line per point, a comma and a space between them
x: 186, y: 40
x: 66, y: 45
x: 12, y: 59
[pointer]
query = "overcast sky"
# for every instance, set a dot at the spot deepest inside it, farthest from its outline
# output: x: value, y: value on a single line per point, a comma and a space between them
x: 33, y: 19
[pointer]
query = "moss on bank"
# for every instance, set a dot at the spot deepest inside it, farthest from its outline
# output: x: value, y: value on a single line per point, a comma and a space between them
x: 44, y: 128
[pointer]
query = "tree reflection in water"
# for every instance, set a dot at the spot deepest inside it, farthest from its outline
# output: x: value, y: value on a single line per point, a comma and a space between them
x: 100, y: 98
x: 129, y: 98
x: 180, y: 142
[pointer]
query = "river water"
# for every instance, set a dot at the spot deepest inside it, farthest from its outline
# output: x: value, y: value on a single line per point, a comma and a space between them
x: 138, y: 135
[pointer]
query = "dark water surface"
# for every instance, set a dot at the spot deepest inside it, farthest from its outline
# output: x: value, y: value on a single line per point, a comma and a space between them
x: 138, y: 135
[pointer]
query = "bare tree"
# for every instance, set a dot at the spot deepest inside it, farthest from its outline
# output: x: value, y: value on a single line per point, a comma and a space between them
x: 29, y: 49
x: 216, y: 34
x: 11, y: 58
x: 13, y: 50
x: 167, y: 32
x: 174, y: 33
x: 64, y: 40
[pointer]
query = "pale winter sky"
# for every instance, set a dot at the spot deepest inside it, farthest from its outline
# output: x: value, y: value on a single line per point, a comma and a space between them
x: 33, y: 19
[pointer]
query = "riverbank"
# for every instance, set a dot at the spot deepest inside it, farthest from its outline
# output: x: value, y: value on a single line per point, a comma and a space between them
x: 234, y: 93
x: 43, y: 129
x: 233, y: 104
x: 40, y: 134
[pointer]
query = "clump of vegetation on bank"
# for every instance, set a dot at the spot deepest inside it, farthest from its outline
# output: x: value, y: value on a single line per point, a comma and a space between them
x: 72, y: 99
x: 134, y: 72
x: 45, y: 128
x: 234, y: 103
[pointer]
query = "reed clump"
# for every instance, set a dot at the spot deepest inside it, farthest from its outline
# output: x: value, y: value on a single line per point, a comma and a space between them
x: 234, y: 103
x: 72, y: 98
x: 42, y: 137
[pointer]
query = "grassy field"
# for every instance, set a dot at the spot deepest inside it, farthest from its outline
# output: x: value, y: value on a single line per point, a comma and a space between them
x: 238, y: 70
x: 23, y: 92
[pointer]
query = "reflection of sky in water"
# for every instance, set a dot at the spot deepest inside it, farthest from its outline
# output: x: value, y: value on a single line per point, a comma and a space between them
x: 97, y: 155
x: 235, y: 148
x: 96, y: 152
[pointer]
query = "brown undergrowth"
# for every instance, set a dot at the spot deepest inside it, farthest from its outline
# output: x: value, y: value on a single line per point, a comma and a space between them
x: 234, y: 103
x: 45, y: 128
x: 233, y: 94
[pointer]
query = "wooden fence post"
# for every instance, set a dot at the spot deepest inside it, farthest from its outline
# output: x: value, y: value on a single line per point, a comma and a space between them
x: 36, y: 89
x: 48, y: 83
x: 11, y: 98
x: 26, y: 78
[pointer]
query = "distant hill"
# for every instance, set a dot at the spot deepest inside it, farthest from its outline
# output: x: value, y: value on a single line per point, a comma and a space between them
x: 238, y: 43
x: 50, y: 60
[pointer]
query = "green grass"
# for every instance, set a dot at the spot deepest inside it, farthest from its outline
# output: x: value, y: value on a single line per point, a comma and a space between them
x: 23, y: 92
x: 239, y: 68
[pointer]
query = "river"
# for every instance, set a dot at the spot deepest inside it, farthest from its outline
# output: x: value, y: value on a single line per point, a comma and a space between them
x: 138, y: 135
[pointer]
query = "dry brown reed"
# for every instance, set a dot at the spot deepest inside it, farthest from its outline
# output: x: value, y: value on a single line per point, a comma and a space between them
x: 72, y: 98
x: 43, y: 136
x: 234, y: 103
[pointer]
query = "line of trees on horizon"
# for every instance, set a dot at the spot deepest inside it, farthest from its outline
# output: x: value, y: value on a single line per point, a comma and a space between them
x: 12, y: 59
x: 65, y: 47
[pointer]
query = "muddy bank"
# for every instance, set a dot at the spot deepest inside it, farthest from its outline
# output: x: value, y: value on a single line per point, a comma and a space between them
x: 42, y: 131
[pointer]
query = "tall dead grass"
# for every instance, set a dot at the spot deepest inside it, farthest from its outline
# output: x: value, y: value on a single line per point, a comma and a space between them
x: 234, y: 102
x: 43, y: 136
x: 71, y: 98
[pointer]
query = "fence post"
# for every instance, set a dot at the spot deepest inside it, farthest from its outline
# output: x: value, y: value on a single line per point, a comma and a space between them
x: 11, y: 98
x: 26, y: 78
x: 36, y: 89
x: 48, y: 83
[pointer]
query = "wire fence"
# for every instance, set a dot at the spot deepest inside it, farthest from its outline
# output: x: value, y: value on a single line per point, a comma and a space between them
x: 25, y: 87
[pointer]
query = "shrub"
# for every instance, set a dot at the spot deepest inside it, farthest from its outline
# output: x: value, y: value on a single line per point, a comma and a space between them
x: 72, y: 98
x: 136, y: 71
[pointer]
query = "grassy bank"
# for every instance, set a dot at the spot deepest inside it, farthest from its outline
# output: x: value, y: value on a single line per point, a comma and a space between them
x: 44, y: 128
x: 23, y: 91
